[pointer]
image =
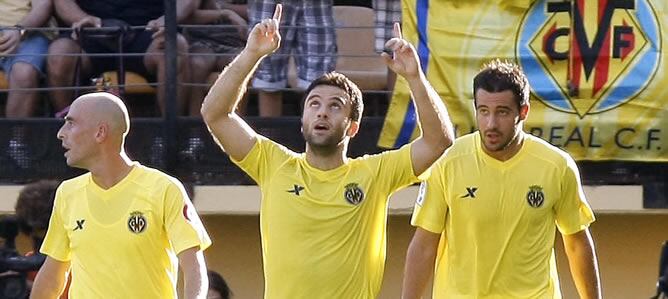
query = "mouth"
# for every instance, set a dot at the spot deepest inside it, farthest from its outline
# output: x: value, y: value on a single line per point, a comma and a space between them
x: 492, y: 136
x: 321, y: 127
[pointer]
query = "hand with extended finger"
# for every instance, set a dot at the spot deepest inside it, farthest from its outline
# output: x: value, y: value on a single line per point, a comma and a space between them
x: 405, y: 61
x: 264, y: 38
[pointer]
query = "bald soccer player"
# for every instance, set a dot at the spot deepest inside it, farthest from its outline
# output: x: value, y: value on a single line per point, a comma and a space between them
x: 121, y: 227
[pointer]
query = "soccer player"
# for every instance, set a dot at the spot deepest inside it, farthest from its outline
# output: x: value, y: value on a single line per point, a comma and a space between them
x: 486, y: 218
x: 122, y: 226
x: 323, y: 215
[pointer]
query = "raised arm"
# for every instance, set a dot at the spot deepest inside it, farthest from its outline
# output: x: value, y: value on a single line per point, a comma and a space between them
x: 437, y: 132
x: 50, y: 280
x: 228, y: 129
x: 581, y: 255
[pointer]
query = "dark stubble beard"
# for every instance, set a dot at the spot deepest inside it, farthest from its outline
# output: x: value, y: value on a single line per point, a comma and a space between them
x: 327, y: 147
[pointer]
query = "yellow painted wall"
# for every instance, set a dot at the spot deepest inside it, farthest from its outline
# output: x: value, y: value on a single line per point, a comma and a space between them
x: 628, y: 247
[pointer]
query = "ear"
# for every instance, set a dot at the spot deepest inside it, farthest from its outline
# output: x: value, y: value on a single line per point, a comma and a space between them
x: 102, y: 132
x: 524, y: 112
x: 353, y: 129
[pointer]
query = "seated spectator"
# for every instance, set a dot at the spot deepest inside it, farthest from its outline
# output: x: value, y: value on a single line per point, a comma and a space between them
x: 226, y: 42
x: 22, y: 61
x: 218, y: 288
x: 80, y: 14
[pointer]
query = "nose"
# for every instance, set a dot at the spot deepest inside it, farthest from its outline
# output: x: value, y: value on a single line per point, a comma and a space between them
x: 322, y: 112
x: 60, y: 135
x: 491, y: 122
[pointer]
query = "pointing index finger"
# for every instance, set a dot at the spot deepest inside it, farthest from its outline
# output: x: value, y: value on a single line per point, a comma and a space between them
x: 277, y: 12
x: 397, y: 30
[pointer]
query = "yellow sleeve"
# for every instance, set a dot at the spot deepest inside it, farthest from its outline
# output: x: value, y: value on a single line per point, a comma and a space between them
x: 264, y: 156
x: 395, y: 168
x: 572, y: 212
x: 183, y: 225
x: 431, y: 207
x: 57, y: 242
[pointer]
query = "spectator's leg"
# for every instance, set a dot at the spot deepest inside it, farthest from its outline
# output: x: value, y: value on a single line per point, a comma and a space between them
x: 22, y: 103
x: 155, y: 64
x: 24, y: 72
x: 201, y: 67
x: 316, y: 41
x: 271, y: 74
x: 60, y: 70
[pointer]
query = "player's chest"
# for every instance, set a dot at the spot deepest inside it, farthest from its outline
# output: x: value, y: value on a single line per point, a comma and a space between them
x: 494, y: 193
x: 113, y: 225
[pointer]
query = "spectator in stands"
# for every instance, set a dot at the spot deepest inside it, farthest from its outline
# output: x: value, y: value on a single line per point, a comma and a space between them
x: 22, y: 60
x: 308, y: 34
x: 120, y: 217
x: 495, y: 200
x: 218, y: 288
x: 225, y: 42
x: 323, y: 214
x: 21, y: 52
x: 387, y: 12
x: 80, y: 14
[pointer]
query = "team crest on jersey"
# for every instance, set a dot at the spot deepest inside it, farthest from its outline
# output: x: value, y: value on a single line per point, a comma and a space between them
x: 137, y: 222
x: 535, y: 196
x: 587, y: 57
x: 353, y: 194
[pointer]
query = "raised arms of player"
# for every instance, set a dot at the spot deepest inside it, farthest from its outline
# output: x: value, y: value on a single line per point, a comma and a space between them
x: 437, y: 132
x: 195, y: 280
x: 50, y: 280
x: 228, y: 129
x: 579, y: 249
x: 420, y: 260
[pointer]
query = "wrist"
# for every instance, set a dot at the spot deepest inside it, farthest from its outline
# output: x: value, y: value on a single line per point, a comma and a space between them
x: 20, y: 29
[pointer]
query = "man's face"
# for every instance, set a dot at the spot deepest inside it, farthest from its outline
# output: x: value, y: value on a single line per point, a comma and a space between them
x: 326, y: 117
x: 499, y: 118
x: 78, y: 136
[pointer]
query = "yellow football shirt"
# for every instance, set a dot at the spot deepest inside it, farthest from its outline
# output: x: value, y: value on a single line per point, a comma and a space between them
x: 498, y: 219
x: 122, y: 242
x: 323, y: 232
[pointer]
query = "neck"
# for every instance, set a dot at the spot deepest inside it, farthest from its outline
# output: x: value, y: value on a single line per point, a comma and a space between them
x: 326, y: 158
x: 111, y: 170
x: 511, y: 149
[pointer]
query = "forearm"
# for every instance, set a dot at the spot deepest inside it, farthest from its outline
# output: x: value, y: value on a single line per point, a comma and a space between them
x: 39, y: 14
x: 194, y: 286
x: 195, y: 281
x: 230, y: 86
x: 204, y: 16
x: 185, y: 9
x: 583, y: 265
x: 68, y: 11
x: 418, y: 270
x: 433, y: 116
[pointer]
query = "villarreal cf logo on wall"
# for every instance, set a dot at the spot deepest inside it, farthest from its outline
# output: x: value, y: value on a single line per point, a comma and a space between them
x: 589, y: 56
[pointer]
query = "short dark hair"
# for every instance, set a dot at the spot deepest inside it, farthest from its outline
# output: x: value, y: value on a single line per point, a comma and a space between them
x: 499, y: 76
x: 341, y: 81
x: 35, y: 203
x: 217, y: 283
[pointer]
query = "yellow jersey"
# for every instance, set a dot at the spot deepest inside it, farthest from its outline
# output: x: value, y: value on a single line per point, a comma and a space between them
x: 122, y: 242
x: 324, y: 232
x: 498, y: 219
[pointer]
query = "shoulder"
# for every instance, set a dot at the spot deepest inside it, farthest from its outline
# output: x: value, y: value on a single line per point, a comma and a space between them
x: 462, y: 148
x: 74, y: 185
x: 152, y: 178
x: 542, y: 150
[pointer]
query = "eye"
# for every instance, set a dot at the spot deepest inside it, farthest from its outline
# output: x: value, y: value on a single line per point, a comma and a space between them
x: 483, y: 111
x: 504, y: 112
x: 314, y: 103
x: 336, y: 105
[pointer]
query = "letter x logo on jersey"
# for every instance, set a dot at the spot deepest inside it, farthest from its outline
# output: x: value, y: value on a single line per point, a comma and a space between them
x: 470, y: 192
x: 296, y: 189
x: 80, y: 224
